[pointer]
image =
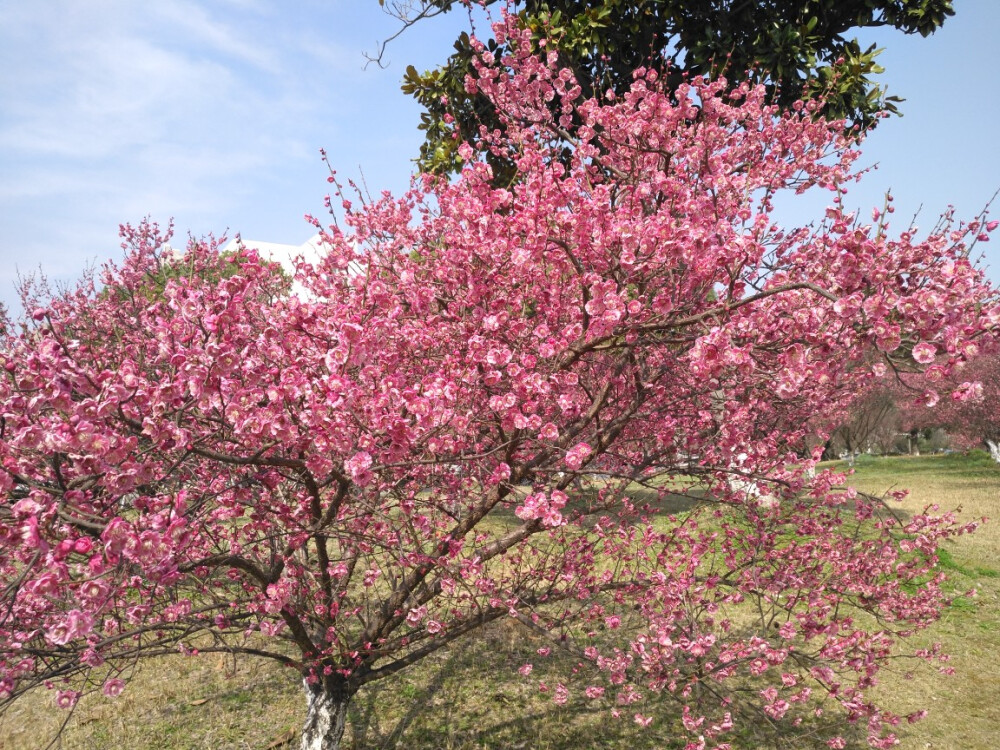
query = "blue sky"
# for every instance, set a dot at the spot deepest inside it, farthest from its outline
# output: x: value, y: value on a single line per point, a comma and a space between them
x: 212, y: 112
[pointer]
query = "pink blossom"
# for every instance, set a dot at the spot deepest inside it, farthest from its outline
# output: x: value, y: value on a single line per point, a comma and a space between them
x: 777, y: 709
x: 928, y: 398
x: 549, y: 432
x: 76, y: 624
x: 924, y: 353
x: 968, y: 392
x: 113, y: 688
x: 577, y: 455
x: 83, y: 545
x: 769, y: 694
x: 271, y: 628
x: 342, y: 461
x: 934, y: 374
x: 415, y: 616
x: 691, y: 723
x: 357, y: 466
x: 552, y: 518
x: 67, y: 698
x: 91, y: 658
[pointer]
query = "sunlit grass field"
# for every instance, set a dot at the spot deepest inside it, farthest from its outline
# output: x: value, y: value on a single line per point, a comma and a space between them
x: 471, y: 696
x: 964, y: 708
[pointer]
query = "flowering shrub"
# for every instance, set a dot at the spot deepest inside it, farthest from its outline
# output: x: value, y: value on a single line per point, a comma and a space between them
x: 317, y: 479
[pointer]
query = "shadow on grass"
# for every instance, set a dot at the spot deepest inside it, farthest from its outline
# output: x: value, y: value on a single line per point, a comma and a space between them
x: 585, y: 503
x: 472, y: 698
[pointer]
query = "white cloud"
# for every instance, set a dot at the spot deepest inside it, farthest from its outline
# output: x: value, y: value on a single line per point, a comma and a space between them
x: 112, y: 98
x: 114, y: 110
x: 201, y: 28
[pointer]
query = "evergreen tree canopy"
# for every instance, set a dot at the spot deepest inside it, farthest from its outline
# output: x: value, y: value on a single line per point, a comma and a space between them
x: 793, y: 47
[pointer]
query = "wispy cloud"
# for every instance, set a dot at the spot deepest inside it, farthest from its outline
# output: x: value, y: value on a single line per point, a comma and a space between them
x: 114, y: 109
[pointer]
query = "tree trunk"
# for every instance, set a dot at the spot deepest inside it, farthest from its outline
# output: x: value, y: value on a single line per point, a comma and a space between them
x: 994, y: 449
x: 326, y: 716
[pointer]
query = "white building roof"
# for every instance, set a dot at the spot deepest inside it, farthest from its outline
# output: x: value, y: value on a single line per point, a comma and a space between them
x: 277, y: 252
x: 281, y: 253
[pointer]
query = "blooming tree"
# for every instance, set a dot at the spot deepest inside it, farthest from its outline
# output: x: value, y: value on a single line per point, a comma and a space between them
x: 970, y: 408
x: 450, y: 425
x: 870, y: 420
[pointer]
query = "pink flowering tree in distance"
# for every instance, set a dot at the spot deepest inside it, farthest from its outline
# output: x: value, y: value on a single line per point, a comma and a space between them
x: 971, y: 414
x: 476, y: 410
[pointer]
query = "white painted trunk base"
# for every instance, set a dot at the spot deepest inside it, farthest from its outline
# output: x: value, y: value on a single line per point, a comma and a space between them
x: 326, y: 717
x: 994, y: 450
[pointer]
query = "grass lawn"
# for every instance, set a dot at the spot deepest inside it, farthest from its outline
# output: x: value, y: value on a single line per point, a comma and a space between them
x: 472, y: 697
x: 964, y: 708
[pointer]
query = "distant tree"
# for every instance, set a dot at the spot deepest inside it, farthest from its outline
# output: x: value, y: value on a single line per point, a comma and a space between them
x: 349, y: 480
x: 871, y: 422
x: 795, y: 48
x: 966, y: 403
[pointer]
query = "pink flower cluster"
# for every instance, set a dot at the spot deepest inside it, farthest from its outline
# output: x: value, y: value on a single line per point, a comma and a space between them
x: 545, y: 507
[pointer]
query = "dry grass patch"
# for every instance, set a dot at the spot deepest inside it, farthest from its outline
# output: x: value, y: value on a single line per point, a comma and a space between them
x: 208, y: 703
x: 964, y: 707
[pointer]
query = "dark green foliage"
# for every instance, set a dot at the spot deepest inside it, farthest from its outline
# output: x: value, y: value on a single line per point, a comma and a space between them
x: 796, y: 47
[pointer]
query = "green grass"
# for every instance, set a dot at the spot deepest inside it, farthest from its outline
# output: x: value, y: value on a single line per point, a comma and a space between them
x: 947, y: 561
x: 964, y: 708
x: 971, y: 465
